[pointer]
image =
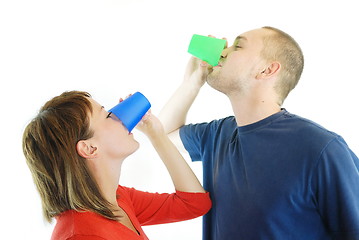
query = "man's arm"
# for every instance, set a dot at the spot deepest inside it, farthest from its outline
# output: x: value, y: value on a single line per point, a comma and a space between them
x: 173, y: 114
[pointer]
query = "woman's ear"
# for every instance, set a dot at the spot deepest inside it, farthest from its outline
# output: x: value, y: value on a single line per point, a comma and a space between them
x: 85, y: 149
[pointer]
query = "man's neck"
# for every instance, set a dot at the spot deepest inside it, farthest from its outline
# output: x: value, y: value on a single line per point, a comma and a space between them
x: 251, y: 110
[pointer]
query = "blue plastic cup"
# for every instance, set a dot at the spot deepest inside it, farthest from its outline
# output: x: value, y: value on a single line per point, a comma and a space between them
x: 208, y: 49
x: 131, y: 110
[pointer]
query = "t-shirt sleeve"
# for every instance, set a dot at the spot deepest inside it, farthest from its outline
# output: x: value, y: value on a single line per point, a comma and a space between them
x: 85, y: 237
x: 156, y: 208
x: 195, y: 138
x: 336, y: 186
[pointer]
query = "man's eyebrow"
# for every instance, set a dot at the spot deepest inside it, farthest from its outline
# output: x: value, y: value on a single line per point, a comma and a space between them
x: 240, y: 38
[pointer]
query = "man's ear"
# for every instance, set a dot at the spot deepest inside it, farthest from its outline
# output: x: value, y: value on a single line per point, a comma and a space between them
x: 85, y: 149
x: 270, y: 70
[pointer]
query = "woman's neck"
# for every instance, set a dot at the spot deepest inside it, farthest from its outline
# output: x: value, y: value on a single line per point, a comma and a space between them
x: 107, y: 175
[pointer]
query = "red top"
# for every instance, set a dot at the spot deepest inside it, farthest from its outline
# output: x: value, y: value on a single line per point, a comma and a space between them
x: 142, y: 208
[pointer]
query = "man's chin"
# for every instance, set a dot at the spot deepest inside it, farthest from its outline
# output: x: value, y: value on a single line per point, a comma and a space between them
x: 211, y: 81
x: 212, y: 76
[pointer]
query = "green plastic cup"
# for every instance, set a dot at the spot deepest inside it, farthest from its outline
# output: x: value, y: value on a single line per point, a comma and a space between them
x: 208, y: 49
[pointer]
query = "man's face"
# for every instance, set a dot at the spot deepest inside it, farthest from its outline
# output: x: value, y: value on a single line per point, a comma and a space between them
x: 240, y: 63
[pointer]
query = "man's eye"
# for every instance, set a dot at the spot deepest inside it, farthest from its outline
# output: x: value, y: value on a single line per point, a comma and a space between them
x: 238, y: 47
x: 109, y: 114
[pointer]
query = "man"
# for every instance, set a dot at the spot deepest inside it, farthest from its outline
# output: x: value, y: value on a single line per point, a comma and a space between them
x: 271, y: 174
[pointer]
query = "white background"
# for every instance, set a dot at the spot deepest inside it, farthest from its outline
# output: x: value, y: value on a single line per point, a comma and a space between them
x: 111, y: 48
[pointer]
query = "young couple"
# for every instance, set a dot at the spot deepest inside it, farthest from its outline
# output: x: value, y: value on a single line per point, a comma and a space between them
x: 271, y: 174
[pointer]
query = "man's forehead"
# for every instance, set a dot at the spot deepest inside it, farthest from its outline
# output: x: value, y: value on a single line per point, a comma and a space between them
x: 250, y: 35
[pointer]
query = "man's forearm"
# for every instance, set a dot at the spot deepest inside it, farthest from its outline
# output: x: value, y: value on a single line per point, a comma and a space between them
x: 173, y: 114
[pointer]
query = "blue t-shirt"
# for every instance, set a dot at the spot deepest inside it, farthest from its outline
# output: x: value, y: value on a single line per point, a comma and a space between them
x: 284, y: 177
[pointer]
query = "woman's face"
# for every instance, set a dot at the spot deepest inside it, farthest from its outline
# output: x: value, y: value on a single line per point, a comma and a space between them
x: 111, y: 137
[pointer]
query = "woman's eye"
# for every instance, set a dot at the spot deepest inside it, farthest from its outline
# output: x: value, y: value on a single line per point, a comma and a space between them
x: 238, y: 47
x: 109, y: 114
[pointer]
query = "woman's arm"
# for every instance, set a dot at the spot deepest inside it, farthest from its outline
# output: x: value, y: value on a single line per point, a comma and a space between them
x: 159, y: 208
x: 182, y: 176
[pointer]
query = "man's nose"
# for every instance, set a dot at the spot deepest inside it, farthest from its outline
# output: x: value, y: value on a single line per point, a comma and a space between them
x: 224, y: 52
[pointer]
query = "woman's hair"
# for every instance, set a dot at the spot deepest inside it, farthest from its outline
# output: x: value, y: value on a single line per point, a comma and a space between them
x: 279, y: 46
x: 59, y: 172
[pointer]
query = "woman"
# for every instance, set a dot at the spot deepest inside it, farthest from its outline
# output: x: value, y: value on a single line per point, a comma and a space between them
x: 75, y: 149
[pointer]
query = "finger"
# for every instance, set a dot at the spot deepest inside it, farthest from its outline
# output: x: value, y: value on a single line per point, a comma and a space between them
x: 147, y: 114
x: 204, y: 64
x: 226, y: 45
x: 144, y: 117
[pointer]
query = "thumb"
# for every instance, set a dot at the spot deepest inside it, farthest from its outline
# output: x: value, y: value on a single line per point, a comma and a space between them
x: 204, y: 69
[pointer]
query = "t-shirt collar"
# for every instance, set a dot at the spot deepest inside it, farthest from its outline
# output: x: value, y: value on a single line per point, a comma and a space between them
x: 261, y: 123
